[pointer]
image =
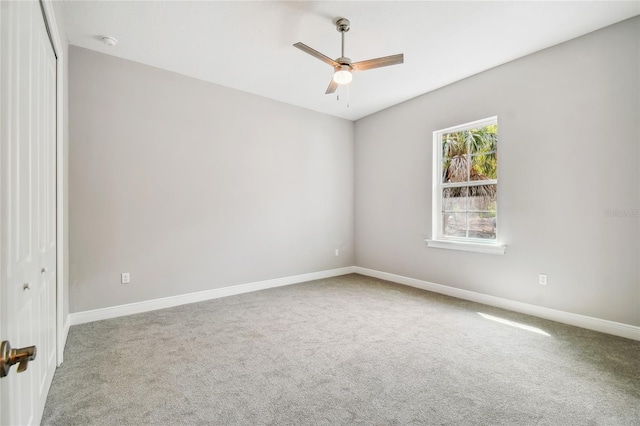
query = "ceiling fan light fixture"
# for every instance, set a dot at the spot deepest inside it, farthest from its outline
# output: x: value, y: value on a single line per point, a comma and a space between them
x: 342, y: 66
x: 343, y: 75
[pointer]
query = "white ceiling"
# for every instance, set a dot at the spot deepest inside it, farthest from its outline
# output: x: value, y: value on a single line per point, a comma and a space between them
x: 248, y: 45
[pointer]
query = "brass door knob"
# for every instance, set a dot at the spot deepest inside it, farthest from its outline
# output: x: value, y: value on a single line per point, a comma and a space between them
x: 9, y: 356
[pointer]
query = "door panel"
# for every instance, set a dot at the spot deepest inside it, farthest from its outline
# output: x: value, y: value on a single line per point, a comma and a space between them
x: 27, y: 200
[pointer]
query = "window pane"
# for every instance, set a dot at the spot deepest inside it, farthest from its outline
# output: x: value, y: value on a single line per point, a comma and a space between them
x: 482, y: 140
x: 483, y: 197
x: 454, y: 199
x: 484, y: 166
x: 455, y: 159
x: 454, y: 144
x: 482, y: 225
x: 455, y: 169
x: 454, y: 224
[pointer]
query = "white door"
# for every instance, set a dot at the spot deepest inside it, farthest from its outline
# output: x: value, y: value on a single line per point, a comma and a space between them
x: 27, y: 206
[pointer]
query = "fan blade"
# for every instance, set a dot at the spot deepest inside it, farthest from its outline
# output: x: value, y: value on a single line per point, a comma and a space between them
x: 378, y: 62
x: 317, y: 54
x: 332, y: 87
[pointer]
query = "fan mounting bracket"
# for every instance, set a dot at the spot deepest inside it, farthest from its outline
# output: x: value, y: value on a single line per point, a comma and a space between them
x: 343, y: 25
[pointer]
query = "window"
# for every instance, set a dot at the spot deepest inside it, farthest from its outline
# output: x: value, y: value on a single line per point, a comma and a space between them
x: 465, y: 190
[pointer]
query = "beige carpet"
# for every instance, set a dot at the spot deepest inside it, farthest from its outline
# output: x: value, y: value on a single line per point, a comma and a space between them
x: 345, y: 350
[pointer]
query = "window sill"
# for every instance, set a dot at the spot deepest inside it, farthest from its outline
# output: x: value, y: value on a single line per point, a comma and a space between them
x: 466, y: 246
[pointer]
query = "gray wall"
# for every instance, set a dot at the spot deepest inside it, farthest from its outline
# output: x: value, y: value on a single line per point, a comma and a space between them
x: 569, y: 149
x: 191, y: 186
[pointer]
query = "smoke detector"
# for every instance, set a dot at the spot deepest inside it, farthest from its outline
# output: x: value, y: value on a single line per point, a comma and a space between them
x: 109, y: 41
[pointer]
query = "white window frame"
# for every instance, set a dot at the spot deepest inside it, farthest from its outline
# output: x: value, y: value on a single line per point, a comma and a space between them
x: 438, y: 240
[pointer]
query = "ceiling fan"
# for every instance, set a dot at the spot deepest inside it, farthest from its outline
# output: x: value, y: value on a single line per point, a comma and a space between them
x: 343, y: 66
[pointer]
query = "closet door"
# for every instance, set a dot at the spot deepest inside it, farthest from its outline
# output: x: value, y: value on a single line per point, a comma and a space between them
x: 27, y: 197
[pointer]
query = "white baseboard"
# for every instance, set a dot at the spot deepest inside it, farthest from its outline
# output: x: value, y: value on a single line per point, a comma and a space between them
x: 167, y: 302
x: 67, y: 326
x: 590, y: 323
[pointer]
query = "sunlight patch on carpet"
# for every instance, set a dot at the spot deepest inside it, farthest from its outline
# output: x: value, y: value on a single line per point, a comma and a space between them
x: 514, y: 324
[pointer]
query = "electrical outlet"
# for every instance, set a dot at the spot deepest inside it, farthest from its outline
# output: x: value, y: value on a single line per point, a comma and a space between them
x: 542, y: 279
x: 125, y: 278
x: 337, y: 252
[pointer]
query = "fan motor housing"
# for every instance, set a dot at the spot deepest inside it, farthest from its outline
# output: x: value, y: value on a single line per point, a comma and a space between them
x: 344, y: 61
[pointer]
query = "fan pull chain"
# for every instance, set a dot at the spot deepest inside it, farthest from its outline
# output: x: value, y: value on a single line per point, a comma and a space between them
x: 348, y: 92
x: 348, y: 97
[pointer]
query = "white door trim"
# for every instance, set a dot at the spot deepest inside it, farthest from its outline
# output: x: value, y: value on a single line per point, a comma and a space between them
x: 2, y: 402
x: 61, y: 330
